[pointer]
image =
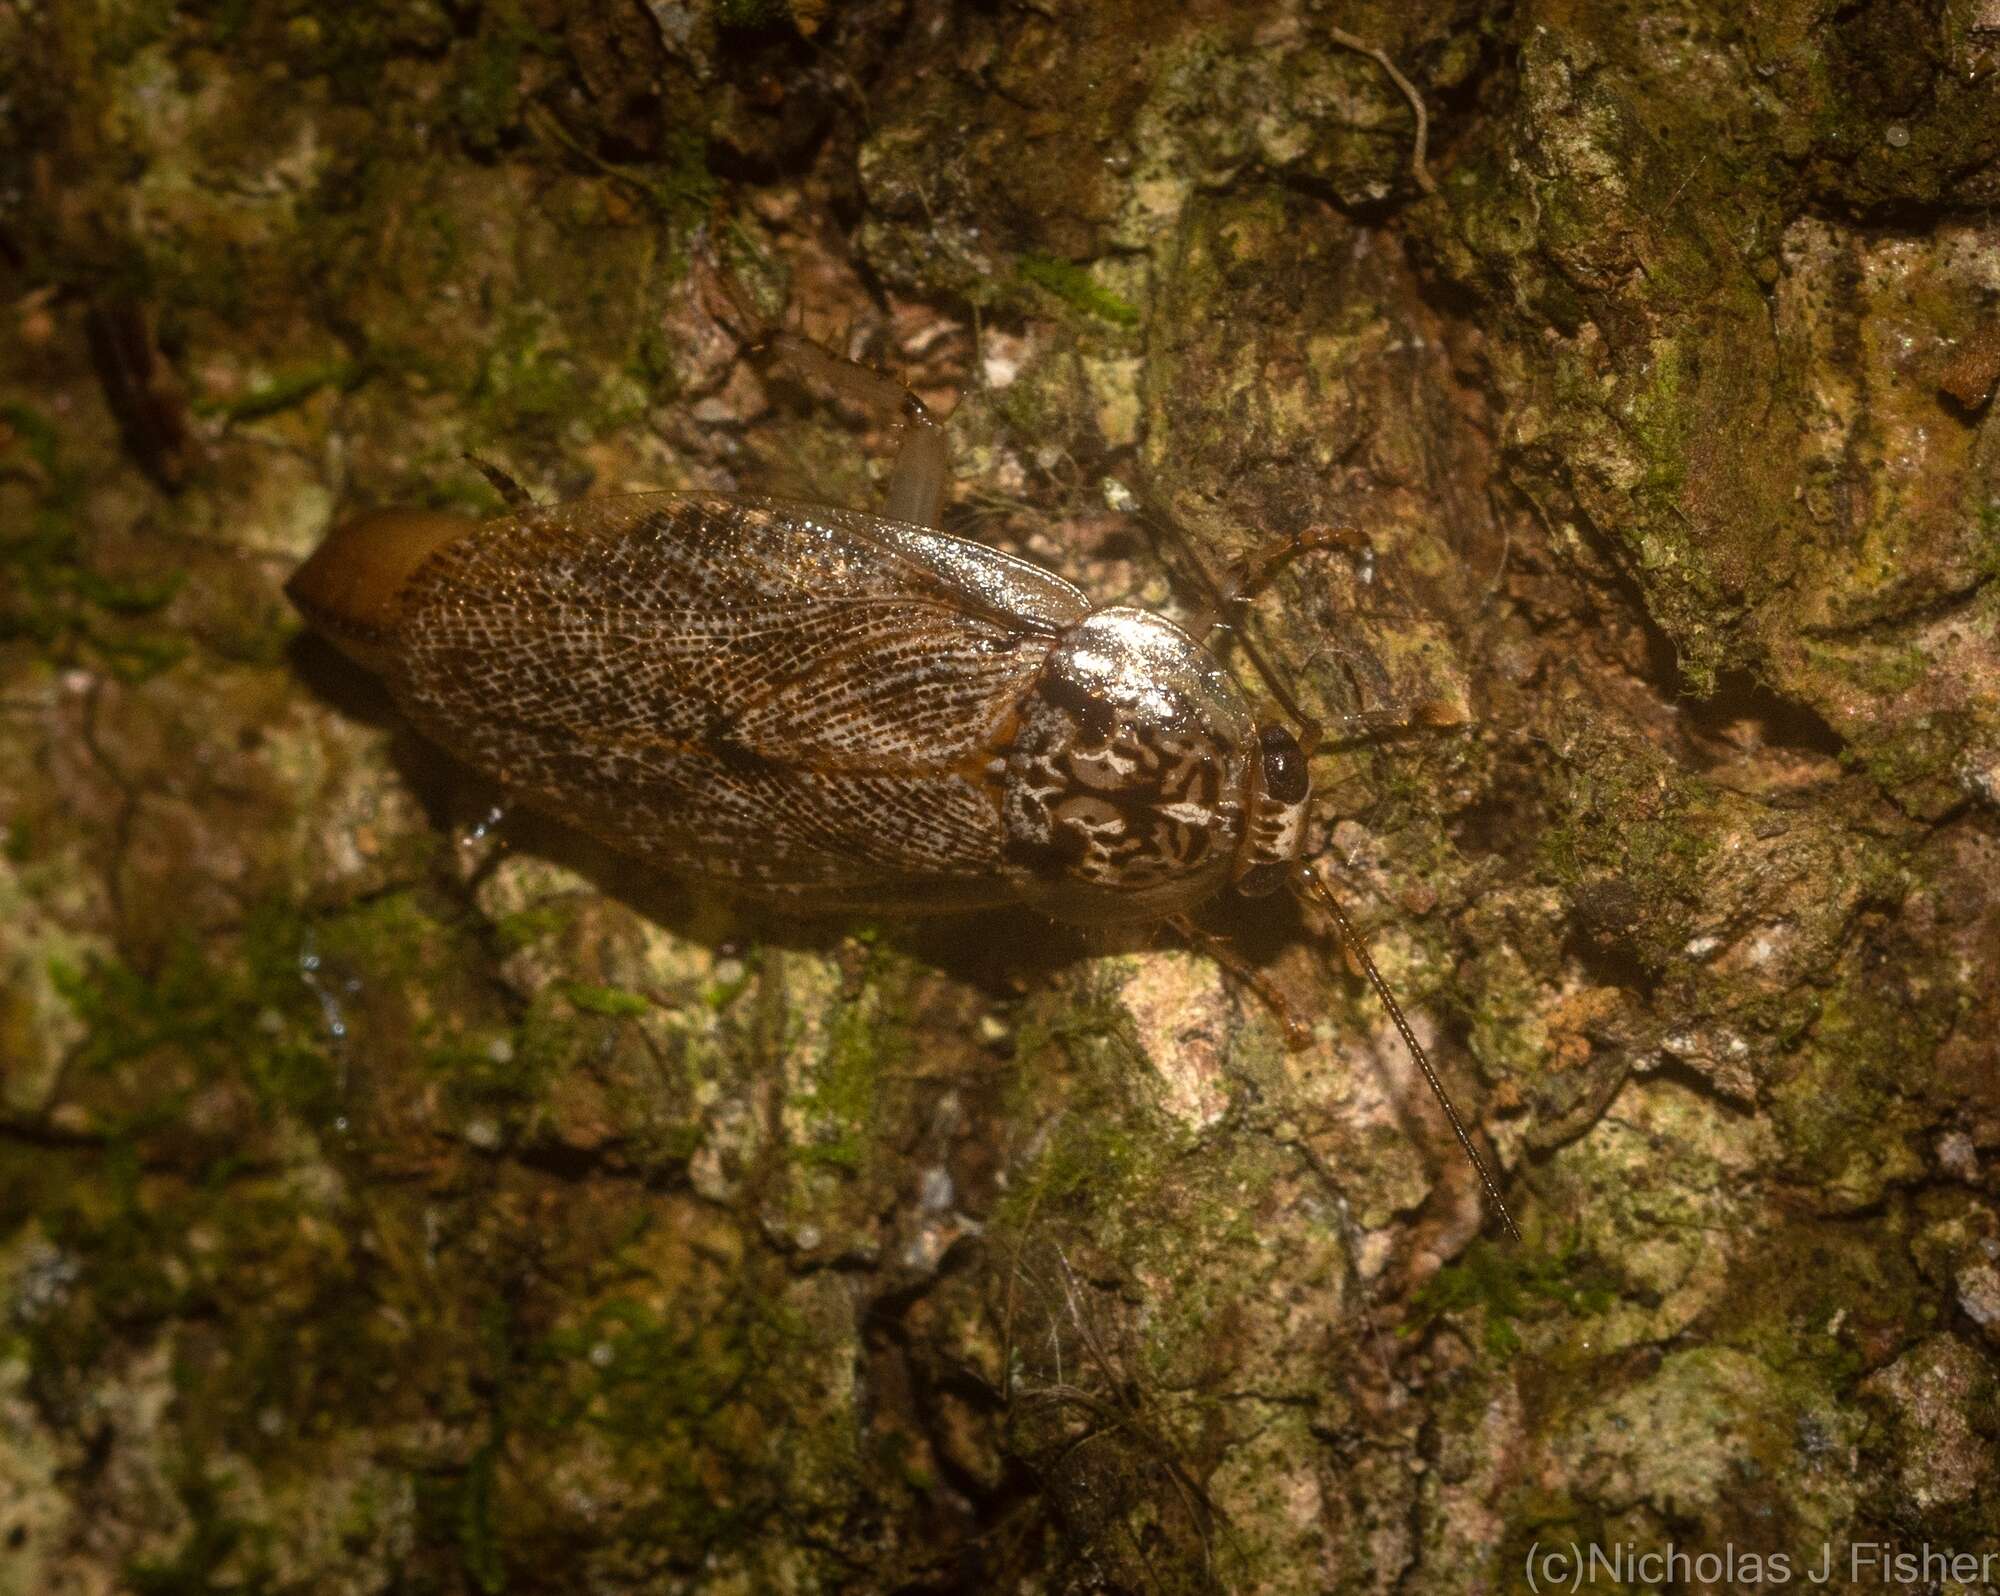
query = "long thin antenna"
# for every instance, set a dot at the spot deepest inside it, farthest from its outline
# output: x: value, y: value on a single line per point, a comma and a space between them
x: 1308, y: 882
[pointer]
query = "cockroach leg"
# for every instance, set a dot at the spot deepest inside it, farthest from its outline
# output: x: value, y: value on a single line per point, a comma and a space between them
x: 1298, y: 1034
x: 923, y: 461
x: 516, y: 496
x: 483, y: 844
x: 1249, y: 574
x: 1431, y: 715
x: 923, y: 466
x: 1243, y: 578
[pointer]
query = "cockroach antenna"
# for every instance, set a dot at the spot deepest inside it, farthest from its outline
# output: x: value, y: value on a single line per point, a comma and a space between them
x: 1244, y: 578
x: 1311, y: 886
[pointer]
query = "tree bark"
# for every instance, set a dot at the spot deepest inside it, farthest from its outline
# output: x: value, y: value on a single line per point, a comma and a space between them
x: 393, y: 1202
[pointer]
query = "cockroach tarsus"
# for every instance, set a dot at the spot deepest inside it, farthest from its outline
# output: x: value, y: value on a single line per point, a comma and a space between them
x: 826, y: 709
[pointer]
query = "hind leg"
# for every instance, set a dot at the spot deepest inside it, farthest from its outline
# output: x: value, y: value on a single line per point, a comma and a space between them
x: 923, y: 463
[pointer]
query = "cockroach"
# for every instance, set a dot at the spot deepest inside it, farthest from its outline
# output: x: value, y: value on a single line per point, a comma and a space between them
x: 825, y: 709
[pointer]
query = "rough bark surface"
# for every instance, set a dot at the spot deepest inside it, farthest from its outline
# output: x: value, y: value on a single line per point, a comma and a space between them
x: 387, y: 1205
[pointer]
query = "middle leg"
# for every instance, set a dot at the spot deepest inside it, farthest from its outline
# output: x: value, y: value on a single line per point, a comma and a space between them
x: 1298, y: 1034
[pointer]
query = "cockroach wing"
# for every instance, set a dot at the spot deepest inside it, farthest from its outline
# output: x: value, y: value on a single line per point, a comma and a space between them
x: 803, y: 703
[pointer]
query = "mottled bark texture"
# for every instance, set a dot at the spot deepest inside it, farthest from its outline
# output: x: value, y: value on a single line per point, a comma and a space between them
x: 383, y: 1213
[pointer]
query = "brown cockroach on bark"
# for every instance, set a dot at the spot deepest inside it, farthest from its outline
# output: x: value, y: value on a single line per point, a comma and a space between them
x: 825, y: 709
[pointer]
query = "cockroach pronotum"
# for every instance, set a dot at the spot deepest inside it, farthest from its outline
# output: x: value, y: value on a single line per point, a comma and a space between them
x: 826, y: 709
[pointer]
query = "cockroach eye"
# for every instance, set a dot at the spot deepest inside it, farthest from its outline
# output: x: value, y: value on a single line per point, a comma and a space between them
x: 1286, y: 778
x: 1281, y: 802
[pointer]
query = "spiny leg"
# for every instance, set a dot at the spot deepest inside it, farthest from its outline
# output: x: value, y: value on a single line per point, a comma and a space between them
x: 1364, y: 672
x: 922, y: 465
x: 1309, y: 884
x: 1249, y: 574
x: 1433, y: 714
x: 1298, y: 1034
x: 1244, y: 578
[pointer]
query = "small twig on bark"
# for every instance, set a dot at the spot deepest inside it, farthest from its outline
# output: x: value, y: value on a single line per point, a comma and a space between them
x: 1419, y: 166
